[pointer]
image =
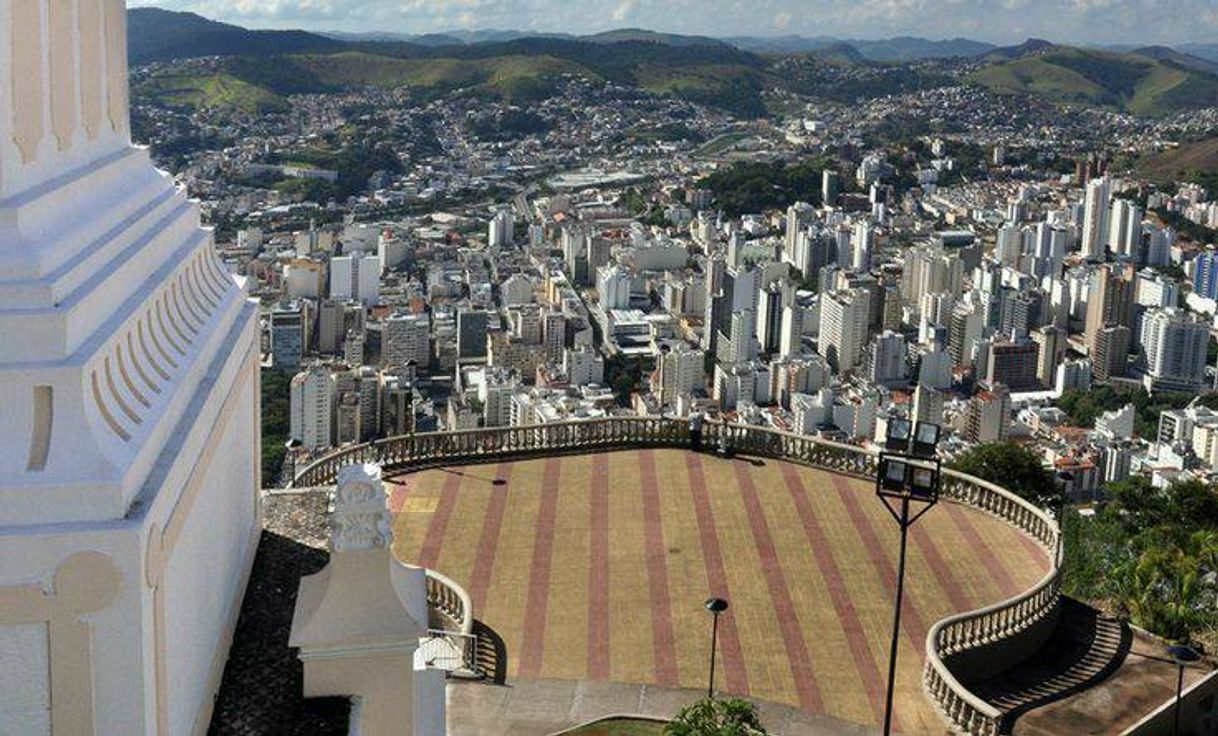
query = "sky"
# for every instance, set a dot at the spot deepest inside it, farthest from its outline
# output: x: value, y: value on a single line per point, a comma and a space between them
x: 1002, y: 21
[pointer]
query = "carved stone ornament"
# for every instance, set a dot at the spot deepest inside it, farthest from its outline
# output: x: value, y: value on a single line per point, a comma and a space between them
x: 361, y: 518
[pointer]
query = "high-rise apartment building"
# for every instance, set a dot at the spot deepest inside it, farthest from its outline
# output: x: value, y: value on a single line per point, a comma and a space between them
x: 988, y: 415
x: 843, y: 329
x: 1094, y: 236
x: 472, y: 326
x: 311, y: 405
x: 356, y: 276
x: 887, y: 364
x: 1175, y: 344
x: 1051, y: 347
x: 1109, y: 306
x: 287, y: 336
x: 406, y: 338
x: 1012, y: 364
x: 682, y: 371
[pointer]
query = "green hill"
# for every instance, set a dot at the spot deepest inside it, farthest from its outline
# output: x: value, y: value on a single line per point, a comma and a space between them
x: 162, y: 35
x: 1189, y: 161
x: 512, y: 78
x: 209, y: 91
x: 1133, y: 83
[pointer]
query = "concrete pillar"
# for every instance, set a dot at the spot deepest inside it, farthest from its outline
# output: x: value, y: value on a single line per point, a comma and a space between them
x: 63, y: 87
x: 356, y: 621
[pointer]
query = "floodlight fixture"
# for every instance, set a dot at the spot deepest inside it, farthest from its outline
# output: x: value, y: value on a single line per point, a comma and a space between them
x: 899, y: 432
x: 926, y: 439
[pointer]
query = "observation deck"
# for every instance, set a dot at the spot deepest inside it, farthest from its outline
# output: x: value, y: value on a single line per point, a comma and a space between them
x: 589, y: 546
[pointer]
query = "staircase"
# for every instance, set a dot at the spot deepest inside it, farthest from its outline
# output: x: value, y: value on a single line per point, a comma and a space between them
x: 1085, y: 649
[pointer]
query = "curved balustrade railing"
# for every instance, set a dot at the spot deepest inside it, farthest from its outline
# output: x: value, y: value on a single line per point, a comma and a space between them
x: 950, y: 638
x: 448, y: 604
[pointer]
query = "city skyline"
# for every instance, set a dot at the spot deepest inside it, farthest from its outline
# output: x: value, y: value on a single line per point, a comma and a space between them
x: 1117, y: 22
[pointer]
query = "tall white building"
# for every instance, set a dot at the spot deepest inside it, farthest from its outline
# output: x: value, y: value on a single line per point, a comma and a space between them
x: 799, y: 216
x: 862, y: 242
x: 407, y: 338
x: 583, y: 366
x: 501, y: 230
x: 1175, y: 344
x: 129, y: 469
x: 791, y: 329
x: 843, y: 328
x: 356, y: 276
x: 682, y: 371
x: 1125, y: 228
x: 613, y: 285
x: 1095, y: 231
x: 312, y: 408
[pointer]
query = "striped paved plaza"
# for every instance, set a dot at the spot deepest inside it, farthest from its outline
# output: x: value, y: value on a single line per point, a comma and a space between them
x: 596, y: 567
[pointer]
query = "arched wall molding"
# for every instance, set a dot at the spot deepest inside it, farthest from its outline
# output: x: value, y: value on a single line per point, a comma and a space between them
x: 84, y: 583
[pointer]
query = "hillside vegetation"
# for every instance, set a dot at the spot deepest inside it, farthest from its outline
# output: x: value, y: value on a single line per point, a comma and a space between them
x: 261, y: 83
x: 162, y: 35
x: 1184, y: 162
x: 210, y: 91
x: 1134, y: 83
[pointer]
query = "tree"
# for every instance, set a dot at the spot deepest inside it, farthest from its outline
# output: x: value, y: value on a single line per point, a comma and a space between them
x: 1013, y: 467
x: 1163, y: 591
x: 276, y: 422
x: 717, y: 717
x: 1152, y: 553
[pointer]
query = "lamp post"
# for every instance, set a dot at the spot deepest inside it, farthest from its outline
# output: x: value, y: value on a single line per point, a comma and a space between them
x: 716, y: 606
x: 908, y: 473
x: 1182, y: 655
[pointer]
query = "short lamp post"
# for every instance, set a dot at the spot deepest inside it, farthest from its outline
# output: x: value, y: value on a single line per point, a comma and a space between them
x: 1183, y: 655
x: 716, y: 606
x: 908, y: 474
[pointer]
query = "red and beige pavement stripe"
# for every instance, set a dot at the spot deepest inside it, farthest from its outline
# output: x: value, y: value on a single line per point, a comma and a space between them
x: 868, y: 669
x: 911, y: 618
x: 537, y: 605
x: 766, y: 659
x: 488, y: 541
x: 429, y: 555
x: 598, y: 570
x: 735, y: 676
x: 629, y: 622
x: 688, y: 585
x: 780, y: 594
x: 663, y: 637
x: 566, y: 636
x: 997, y: 569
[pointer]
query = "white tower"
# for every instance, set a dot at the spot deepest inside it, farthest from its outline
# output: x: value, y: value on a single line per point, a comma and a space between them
x: 1095, y: 218
x: 129, y: 393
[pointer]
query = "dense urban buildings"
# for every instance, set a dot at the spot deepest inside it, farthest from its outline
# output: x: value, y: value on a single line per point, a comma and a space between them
x: 524, y: 273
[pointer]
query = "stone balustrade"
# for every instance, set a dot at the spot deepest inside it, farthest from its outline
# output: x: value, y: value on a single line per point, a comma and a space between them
x: 993, y: 635
x: 448, y: 605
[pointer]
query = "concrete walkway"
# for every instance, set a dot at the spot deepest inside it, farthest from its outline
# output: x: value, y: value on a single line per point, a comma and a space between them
x: 541, y: 707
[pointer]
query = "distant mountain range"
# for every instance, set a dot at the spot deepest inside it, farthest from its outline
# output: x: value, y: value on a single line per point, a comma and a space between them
x: 730, y: 74
x: 159, y: 35
x: 900, y: 48
x: 163, y: 35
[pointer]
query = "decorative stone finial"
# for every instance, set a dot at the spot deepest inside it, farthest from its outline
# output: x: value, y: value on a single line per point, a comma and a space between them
x: 361, y: 519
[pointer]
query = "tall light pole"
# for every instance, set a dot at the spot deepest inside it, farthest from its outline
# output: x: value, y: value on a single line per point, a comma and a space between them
x: 907, y: 473
x: 716, y: 606
x: 1182, y: 655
